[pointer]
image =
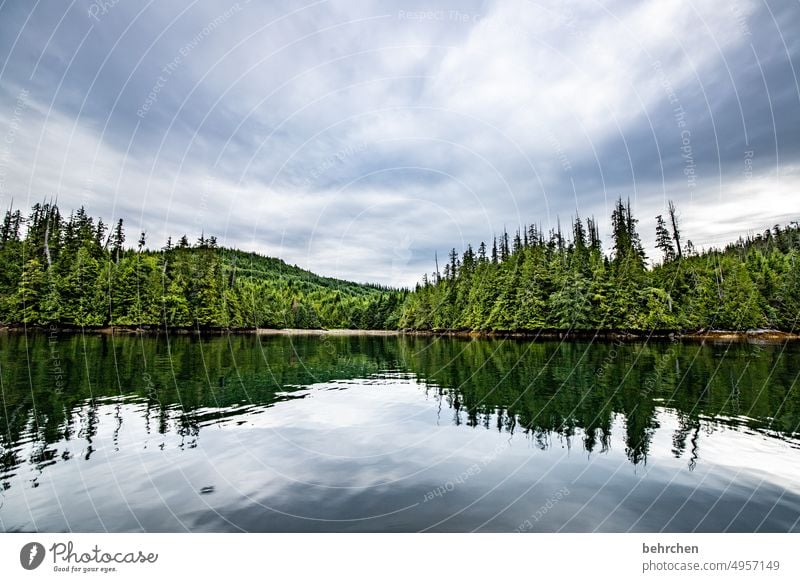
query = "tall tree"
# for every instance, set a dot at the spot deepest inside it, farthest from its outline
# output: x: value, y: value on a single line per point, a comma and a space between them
x: 117, y: 241
x: 664, y: 240
x: 676, y: 233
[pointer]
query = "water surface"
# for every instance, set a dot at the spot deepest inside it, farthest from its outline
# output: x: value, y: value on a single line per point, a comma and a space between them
x: 247, y: 433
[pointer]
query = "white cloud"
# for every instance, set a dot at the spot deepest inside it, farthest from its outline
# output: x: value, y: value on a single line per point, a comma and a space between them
x: 346, y: 139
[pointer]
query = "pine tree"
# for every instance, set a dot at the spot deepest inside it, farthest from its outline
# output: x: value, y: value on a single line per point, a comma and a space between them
x: 533, y: 235
x: 117, y: 241
x: 453, y: 270
x: 99, y: 233
x: 594, y: 235
x: 664, y: 240
x: 517, y: 244
x: 627, y: 245
x: 579, y: 235
x: 676, y: 234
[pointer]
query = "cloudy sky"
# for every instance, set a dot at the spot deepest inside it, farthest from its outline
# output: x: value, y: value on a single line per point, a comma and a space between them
x: 357, y: 139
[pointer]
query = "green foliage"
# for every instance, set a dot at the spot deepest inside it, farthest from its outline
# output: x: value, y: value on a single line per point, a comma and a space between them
x: 569, y: 284
x: 67, y: 272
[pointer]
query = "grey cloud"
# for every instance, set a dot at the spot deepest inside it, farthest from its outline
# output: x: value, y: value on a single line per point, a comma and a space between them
x: 359, y: 140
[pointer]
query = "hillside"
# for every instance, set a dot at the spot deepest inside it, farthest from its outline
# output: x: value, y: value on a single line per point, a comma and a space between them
x: 72, y: 271
x: 75, y: 272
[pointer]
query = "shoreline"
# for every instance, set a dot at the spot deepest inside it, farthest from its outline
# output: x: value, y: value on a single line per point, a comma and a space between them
x: 621, y: 335
x: 617, y: 335
x: 154, y: 330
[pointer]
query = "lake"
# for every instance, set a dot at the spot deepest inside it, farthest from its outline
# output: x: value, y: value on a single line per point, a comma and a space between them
x: 396, y: 433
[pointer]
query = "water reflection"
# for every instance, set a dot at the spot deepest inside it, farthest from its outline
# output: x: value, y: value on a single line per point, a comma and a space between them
x: 545, y: 388
x: 336, y: 433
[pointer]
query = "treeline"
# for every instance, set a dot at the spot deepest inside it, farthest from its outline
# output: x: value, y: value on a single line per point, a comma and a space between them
x: 76, y: 271
x: 565, y: 281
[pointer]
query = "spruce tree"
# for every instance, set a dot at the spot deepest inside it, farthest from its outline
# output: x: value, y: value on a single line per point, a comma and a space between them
x: 676, y: 233
x: 117, y: 241
x: 664, y: 240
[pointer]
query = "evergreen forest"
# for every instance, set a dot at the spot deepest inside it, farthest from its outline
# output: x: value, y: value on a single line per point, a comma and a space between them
x: 75, y: 271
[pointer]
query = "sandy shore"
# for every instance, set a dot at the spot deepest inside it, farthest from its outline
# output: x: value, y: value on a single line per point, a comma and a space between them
x: 345, y: 332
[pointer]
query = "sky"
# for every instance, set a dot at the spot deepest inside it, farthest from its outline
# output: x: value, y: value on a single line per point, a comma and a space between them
x: 361, y: 139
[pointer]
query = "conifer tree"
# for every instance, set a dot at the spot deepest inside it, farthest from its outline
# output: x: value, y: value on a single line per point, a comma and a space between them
x: 117, y: 241
x: 664, y: 240
x: 676, y: 233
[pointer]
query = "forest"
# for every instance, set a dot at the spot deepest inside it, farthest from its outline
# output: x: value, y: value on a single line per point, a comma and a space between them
x: 566, y: 281
x: 75, y: 271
